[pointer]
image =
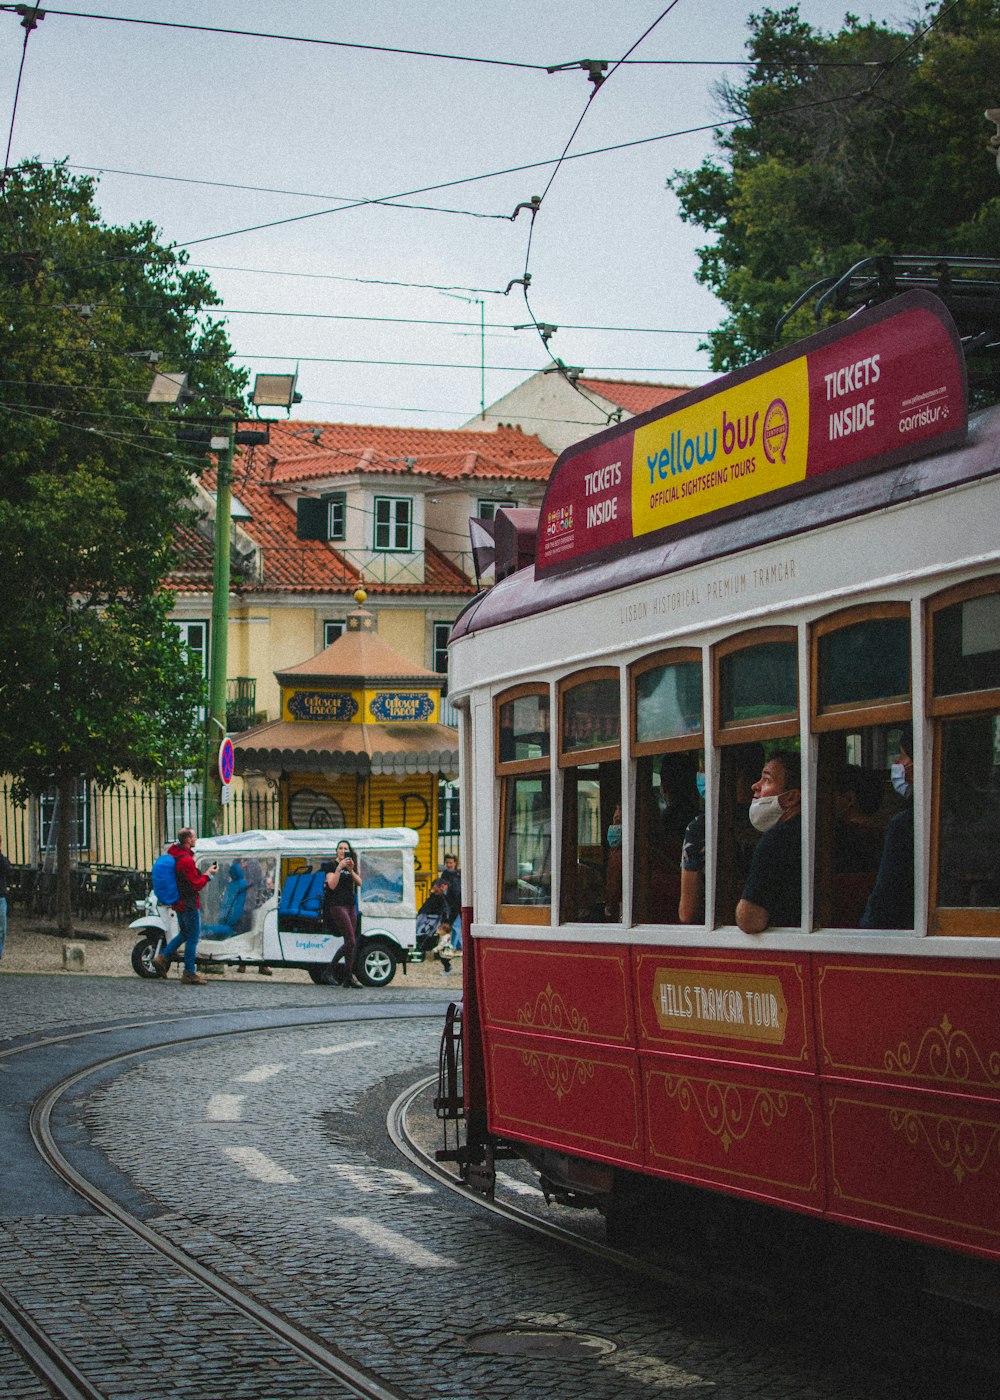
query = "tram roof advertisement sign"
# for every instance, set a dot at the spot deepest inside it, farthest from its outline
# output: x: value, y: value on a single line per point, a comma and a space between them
x: 885, y: 387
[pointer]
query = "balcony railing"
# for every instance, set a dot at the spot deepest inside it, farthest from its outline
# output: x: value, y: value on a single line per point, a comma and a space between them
x: 241, y: 704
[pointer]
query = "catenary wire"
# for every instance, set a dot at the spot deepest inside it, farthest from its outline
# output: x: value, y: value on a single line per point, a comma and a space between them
x: 402, y: 52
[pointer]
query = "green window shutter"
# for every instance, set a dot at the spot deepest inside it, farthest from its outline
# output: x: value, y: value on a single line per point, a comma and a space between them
x: 310, y: 518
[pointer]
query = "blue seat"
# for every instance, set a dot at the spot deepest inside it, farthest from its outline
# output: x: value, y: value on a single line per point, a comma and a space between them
x: 231, y: 909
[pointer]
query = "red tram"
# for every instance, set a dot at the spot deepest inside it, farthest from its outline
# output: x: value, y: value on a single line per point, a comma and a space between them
x: 803, y: 555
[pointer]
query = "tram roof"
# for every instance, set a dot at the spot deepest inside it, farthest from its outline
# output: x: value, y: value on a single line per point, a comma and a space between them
x: 522, y: 594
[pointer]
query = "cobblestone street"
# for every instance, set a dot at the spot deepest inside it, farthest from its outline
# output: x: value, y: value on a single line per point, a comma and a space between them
x: 265, y: 1157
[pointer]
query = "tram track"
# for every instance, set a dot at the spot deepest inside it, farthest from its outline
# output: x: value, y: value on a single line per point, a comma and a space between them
x: 52, y: 1362
x: 405, y: 1142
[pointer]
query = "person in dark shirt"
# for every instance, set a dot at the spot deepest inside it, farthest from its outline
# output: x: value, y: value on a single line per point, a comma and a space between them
x: 772, y: 895
x: 434, y: 924
x: 340, y: 906
x: 890, y: 904
x: 453, y: 892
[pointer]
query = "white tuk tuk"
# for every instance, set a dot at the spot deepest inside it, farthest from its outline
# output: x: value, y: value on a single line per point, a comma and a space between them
x: 264, y: 905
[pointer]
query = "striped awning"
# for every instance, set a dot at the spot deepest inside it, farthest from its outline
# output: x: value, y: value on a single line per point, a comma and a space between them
x: 363, y: 749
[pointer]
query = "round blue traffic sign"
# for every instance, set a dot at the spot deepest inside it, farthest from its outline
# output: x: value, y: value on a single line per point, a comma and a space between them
x: 227, y: 760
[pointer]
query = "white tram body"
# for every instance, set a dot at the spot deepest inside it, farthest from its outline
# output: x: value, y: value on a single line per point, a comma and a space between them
x: 827, y: 1066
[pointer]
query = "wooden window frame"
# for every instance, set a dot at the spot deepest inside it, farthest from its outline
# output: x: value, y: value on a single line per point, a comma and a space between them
x: 968, y: 702
x: 600, y: 753
x: 893, y: 709
x: 758, y: 730
x: 515, y: 768
x: 682, y: 743
x: 951, y: 921
x: 518, y: 913
x: 519, y: 765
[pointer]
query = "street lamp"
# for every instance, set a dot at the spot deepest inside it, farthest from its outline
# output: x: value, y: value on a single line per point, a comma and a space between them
x: 171, y: 388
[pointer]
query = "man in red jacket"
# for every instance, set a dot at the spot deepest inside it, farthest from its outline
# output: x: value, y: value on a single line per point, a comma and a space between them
x: 189, y: 881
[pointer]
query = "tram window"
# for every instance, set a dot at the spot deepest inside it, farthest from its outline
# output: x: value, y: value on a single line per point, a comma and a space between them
x: 669, y: 793
x: 590, y: 759
x: 525, y: 866
x: 590, y: 715
x: 523, y: 728
x: 758, y: 683
x: 591, y: 799
x: 855, y: 803
x: 668, y: 702
x: 969, y: 814
x: 964, y: 701
x: 861, y: 701
x: 967, y: 646
x: 526, y: 841
x: 757, y: 702
x: 864, y: 663
x: 667, y: 742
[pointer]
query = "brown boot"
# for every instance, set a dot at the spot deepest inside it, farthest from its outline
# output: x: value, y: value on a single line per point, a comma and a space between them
x: 161, y: 964
x: 193, y: 979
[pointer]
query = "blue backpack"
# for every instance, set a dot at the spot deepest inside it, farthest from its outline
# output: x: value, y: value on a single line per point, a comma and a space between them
x: 164, y: 875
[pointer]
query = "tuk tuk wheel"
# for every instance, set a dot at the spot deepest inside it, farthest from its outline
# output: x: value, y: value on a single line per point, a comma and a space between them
x: 377, y: 964
x: 143, y: 954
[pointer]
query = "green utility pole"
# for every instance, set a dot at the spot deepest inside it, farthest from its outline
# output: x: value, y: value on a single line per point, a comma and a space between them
x: 215, y: 720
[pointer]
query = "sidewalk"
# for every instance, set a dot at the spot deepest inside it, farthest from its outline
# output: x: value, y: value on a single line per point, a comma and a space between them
x: 34, y: 946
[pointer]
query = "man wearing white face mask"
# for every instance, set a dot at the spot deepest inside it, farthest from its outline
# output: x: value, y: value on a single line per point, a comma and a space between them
x: 890, y: 904
x: 773, y: 891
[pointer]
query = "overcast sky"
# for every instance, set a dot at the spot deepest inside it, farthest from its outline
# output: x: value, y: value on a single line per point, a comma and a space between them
x: 314, y: 126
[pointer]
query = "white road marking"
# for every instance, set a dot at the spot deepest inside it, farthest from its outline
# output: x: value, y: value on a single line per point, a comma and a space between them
x: 260, y: 1167
x: 392, y: 1243
x: 519, y: 1188
x: 339, y: 1049
x: 259, y: 1074
x: 224, y: 1108
x: 385, y: 1180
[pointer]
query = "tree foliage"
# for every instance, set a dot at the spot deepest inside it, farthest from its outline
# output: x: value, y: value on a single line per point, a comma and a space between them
x: 870, y: 140
x: 96, y: 681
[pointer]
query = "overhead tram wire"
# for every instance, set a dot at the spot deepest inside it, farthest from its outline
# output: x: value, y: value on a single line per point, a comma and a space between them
x: 598, y: 79
x: 402, y: 52
x: 351, y: 200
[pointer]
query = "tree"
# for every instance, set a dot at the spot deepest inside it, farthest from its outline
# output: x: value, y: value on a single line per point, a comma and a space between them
x: 844, y: 146
x: 96, y: 681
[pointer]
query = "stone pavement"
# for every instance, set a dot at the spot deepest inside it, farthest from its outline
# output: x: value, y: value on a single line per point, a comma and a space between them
x: 265, y: 1156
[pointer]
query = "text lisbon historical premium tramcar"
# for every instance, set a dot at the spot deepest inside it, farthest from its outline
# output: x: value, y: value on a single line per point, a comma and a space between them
x: 801, y: 556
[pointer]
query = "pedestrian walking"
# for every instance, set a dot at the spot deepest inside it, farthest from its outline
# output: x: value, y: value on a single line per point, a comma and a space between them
x: 340, y: 906
x: 453, y: 893
x: 188, y: 908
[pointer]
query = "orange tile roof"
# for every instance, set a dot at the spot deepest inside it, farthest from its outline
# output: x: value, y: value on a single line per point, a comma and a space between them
x: 300, y: 452
x: 635, y: 397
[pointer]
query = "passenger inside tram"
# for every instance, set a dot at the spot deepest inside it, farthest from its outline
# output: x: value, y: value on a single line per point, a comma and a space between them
x: 890, y: 904
x: 772, y: 895
x: 856, y: 806
x: 740, y: 767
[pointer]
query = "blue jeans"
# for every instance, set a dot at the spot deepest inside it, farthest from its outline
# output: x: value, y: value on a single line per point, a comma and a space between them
x: 3, y: 922
x: 190, y: 922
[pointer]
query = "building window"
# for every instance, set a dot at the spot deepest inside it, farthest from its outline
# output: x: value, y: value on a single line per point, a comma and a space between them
x: 393, y: 523
x: 486, y: 510
x: 336, y: 516
x: 439, y: 661
x: 195, y: 635
x: 79, y: 825
x: 332, y: 629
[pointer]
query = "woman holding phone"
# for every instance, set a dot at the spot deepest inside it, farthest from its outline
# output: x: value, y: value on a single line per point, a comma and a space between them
x: 340, y: 906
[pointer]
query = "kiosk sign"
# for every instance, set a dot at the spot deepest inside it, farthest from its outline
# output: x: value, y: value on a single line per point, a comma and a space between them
x: 883, y: 388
